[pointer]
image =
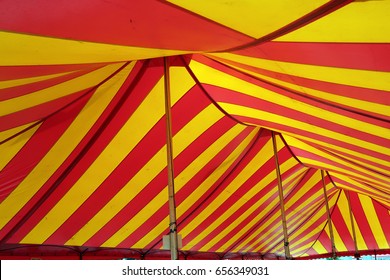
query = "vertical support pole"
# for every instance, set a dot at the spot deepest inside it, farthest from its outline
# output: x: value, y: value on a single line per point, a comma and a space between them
x: 171, y: 187
x: 357, y: 254
x: 329, y: 217
x: 281, y: 199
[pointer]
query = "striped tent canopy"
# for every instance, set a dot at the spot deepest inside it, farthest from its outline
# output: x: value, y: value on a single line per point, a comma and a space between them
x: 257, y: 88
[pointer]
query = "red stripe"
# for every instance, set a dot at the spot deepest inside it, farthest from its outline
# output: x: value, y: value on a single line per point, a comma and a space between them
x: 345, y: 167
x: 252, y: 243
x: 68, y: 182
x: 362, y: 222
x: 275, y: 235
x: 252, y: 153
x: 342, y: 229
x: 38, y: 112
x: 21, y: 72
x: 309, y: 134
x: 325, y: 240
x: 291, y: 226
x: 163, y: 25
x: 157, y: 185
x: 365, y: 94
x: 308, y: 196
x: 184, y: 110
x: 367, y: 191
x: 187, y: 189
x: 26, y: 160
x: 383, y: 215
x: 225, y: 179
x: 311, y: 172
x: 318, y: 224
x: 354, y: 159
x: 298, y: 223
x: 264, y: 192
x: 31, y: 88
x: 312, y: 252
x: 250, y: 183
x: 316, y: 227
x: 371, y: 56
x: 225, y: 208
x: 204, y: 173
x: 233, y: 97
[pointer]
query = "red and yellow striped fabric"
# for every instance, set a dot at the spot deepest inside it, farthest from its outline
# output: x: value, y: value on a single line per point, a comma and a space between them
x: 83, y: 168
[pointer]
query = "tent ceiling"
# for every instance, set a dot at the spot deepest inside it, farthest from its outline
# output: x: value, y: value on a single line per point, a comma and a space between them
x: 82, y: 127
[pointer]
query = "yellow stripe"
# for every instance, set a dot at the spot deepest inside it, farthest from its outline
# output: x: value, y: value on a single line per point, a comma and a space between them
x: 363, y: 188
x: 181, y: 141
x: 123, y: 143
x: 60, y: 151
x: 13, y: 131
x: 292, y: 224
x: 351, y: 77
x: 359, y: 236
x: 270, y: 207
x: 309, y: 223
x: 259, y: 15
x: 300, y: 252
x: 360, y: 21
x: 212, y: 76
x: 197, y: 193
x: 25, y: 81
x: 344, y: 210
x: 242, y: 177
x: 245, y: 228
x: 55, y: 92
x: 343, y: 150
x: 319, y: 248
x: 189, y: 133
x: 303, y: 190
x: 293, y: 142
x: 335, y: 169
x: 373, y: 220
x: 10, y: 148
x: 368, y: 106
x: 268, y: 178
x: 154, y: 103
x: 367, y: 165
x: 295, y: 124
x: 339, y: 243
x: 21, y: 49
x: 193, y: 168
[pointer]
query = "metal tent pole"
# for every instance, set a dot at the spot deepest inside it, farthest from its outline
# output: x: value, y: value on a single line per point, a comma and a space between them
x: 171, y: 186
x: 329, y: 216
x: 281, y: 199
x: 357, y: 254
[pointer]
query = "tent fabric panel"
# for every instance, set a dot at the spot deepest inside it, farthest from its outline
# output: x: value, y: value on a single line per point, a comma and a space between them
x: 121, y: 22
x: 347, y: 24
x: 341, y: 55
x: 85, y: 191
x: 15, y: 104
x: 317, y: 157
x: 87, y: 97
x: 74, y: 130
x: 29, y: 50
x: 115, y: 184
x: 332, y: 91
x: 197, y: 195
x: 256, y: 13
x: 100, y: 144
x: 38, y: 171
